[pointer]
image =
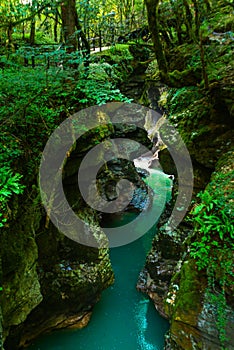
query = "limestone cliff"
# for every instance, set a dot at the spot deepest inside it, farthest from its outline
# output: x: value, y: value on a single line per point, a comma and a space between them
x: 201, y: 316
x: 49, y: 281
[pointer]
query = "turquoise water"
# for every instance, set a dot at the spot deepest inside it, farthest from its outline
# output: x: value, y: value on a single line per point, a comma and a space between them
x: 124, y: 319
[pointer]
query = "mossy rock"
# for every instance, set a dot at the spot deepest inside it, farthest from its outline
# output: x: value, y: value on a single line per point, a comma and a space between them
x: 21, y: 289
x: 184, y: 302
x: 191, y: 286
x: 188, y: 77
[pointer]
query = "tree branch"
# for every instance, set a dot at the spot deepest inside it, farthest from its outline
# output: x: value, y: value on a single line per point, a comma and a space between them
x: 29, y: 18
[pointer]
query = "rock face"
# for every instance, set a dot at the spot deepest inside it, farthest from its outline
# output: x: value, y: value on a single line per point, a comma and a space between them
x: 49, y: 281
x: 193, y: 315
x: 162, y: 262
x: 19, y: 254
x: 179, y: 291
x: 170, y: 276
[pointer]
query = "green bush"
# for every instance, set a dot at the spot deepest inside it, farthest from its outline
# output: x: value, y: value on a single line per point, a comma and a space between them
x: 9, y: 185
x: 213, y: 246
x: 179, y: 100
x: 33, y: 102
x: 214, y: 237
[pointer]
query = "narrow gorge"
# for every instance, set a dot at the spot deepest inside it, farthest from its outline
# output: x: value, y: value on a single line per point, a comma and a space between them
x: 150, y: 178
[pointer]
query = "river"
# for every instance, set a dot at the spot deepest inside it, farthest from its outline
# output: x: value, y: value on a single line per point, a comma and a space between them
x: 124, y: 319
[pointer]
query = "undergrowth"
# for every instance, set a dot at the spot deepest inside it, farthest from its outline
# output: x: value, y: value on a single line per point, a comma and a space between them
x: 213, y: 243
x: 34, y: 101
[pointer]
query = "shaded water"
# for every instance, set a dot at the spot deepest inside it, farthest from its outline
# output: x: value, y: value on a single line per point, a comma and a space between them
x: 124, y: 319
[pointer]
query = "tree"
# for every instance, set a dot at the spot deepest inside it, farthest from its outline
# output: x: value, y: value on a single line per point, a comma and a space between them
x: 16, y: 13
x: 153, y: 21
x: 68, y: 9
x: 72, y: 29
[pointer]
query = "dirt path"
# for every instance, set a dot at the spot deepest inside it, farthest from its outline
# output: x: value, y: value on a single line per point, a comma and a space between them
x: 98, y: 49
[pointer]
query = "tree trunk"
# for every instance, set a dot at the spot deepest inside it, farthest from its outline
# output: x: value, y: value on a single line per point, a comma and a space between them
x: 132, y: 16
x: 188, y: 19
x: 32, y: 32
x: 9, y: 42
x: 208, y: 6
x: 32, y: 38
x: 61, y: 36
x: 70, y: 23
x: 85, y: 42
x: 23, y: 31
x: 127, y: 13
x: 197, y: 18
x: 56, y: 27
x: 166, y: 37
x: 203, y: 62
x: 1, y: 330
x: 68, y: 10
x: 152, y: 12
x: 178, y: 11
x: 1, y: 318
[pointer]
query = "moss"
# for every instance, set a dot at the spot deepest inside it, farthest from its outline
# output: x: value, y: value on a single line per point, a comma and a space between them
x: 119, y: 57
x: 183, y: 305
x: 38, y: 286
x: 224, y: 174
x: 205, y: 122
x: 190, y: 289
x: 21, y: 288
x: 187, y: 77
